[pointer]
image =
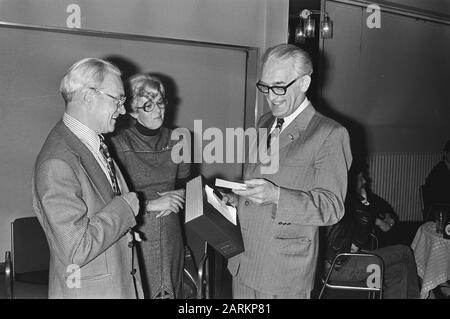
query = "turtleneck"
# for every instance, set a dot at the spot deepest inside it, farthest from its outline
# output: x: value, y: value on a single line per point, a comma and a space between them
x: 146, y: 131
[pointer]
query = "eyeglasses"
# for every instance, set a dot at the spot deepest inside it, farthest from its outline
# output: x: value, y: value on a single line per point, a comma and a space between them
x: 150, y: 106
x: 120, y: 101
x: 276, y: 89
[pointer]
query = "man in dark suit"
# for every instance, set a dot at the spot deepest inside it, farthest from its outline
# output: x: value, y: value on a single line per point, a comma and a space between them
x: 438, y: 181
x: 281, y: 211
x: 79, y: 194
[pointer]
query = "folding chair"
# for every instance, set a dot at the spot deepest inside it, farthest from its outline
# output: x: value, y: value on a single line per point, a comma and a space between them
x: 375, y: 268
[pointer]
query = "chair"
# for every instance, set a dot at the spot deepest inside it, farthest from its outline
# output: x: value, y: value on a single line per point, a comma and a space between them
x: 196, y: 281
x: 27, y: 264
x: 363, y: 285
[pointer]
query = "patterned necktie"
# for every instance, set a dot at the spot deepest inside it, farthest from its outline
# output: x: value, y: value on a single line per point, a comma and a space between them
x: 110, y: 165
x: 276, y: 132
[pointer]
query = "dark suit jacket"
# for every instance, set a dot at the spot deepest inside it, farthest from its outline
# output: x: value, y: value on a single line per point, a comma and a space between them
x: 281, y: 242
x: 85, y: 224
x: 438, y: 182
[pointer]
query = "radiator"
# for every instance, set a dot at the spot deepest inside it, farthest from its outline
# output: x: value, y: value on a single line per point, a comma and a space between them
x: 397, y: 178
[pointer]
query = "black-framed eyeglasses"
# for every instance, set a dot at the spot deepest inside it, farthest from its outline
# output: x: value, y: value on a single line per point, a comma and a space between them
x: 120, y: 101
x: 150, y: 106
x: 276, y: 89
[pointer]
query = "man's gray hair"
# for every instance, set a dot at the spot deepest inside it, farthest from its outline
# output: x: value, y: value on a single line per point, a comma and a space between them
x: 88, y: 72
x: 283, y: 52
x: 135, y: 83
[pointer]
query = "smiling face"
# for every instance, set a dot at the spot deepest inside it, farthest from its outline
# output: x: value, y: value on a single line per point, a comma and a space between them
x: 281, y: 73
x: 105, y: 109
x: 149, y: 96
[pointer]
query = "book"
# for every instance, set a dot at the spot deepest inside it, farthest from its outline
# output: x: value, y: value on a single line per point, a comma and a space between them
x: 231, y: 185
x: 211, y: 219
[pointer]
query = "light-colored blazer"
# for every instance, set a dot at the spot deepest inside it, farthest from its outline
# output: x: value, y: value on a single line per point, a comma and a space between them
x: 85, y: 224
x: 281, y: 241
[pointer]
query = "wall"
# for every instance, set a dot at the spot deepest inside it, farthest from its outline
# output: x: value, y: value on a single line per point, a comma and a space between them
x: 29, y: 110
x: 389, y: 83
x: 254, y: 23
x: 435, y: 7
x: 389, y: 87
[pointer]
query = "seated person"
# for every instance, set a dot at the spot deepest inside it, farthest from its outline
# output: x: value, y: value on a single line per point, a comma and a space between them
x: 438, y: 181
x: 351, y: 233
x: 386, y: 219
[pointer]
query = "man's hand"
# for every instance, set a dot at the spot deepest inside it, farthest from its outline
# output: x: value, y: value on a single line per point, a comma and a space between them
x: 354, y: 248
x: 260, y: 191
x: 230, y: 198
x: 169, y: 202
x: 134, y: 235
x: 132, y: 200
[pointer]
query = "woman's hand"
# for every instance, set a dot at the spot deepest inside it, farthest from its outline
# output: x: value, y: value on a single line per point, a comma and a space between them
x: 354, y: 248
x: 388, y: 219
x: 168, y: 202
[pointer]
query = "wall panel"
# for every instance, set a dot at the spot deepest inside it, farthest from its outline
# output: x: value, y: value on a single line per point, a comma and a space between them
x: 207, y: 83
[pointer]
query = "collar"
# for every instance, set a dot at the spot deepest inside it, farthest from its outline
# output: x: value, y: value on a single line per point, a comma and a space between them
x: 288, y: 119
x: 84, y: 133
x: 146, y: 131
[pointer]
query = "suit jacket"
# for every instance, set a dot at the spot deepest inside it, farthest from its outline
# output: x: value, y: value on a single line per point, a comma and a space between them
x: 281, y: 241
x: 84, y: 222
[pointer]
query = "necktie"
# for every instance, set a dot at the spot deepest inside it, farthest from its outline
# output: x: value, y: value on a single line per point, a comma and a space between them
x: 110, y: 165
x: 276, y: 132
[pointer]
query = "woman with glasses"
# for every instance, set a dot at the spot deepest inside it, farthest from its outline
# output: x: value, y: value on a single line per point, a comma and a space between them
x: 144, y: 151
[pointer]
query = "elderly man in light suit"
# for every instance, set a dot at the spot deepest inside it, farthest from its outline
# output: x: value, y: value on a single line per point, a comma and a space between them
x: 280, y: 213
x: 80, y: 196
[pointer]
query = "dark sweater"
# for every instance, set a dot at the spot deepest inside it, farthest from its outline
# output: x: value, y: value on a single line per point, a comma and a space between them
x: 438, y: 183
x: 357, y: 224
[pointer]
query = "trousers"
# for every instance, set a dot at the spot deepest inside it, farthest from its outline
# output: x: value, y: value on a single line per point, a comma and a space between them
x: 242, y: 291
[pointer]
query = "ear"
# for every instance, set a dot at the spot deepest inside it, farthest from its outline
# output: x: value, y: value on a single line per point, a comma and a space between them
x: 306, y: 82
x: 87, y: 96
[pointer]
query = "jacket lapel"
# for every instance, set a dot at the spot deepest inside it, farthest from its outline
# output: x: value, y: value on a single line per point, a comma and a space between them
x: 267, y: 125
x: 298, y: 125
x: 289, y: 134
x: 88, y: 162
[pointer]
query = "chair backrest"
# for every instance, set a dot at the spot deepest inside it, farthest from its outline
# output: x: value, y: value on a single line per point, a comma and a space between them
x: 373, y: 283
x: 29, y: 246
